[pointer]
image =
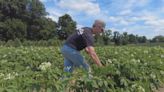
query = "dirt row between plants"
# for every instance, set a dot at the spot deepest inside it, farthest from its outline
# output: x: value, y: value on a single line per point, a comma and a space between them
x: 160, y: 90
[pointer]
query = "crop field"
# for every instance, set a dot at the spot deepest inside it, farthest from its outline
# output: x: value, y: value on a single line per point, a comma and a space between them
x: 40, y: 69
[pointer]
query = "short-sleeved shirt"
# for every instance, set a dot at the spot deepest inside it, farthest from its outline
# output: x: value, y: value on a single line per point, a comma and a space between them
x: 80, y: 39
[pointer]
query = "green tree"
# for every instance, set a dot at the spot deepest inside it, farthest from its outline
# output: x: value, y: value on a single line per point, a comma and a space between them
x: 132, y: 38
x: 99, y: 39
x: 141, y: 39
x: 12, y: 29
x: 125, y: 38
x: 107, y: 36
x: 66, y: 26
x: 117, y: 38
x: 49, y: 28
x: 25, y: 19
x: 158, y: 38
x: 36, y: 12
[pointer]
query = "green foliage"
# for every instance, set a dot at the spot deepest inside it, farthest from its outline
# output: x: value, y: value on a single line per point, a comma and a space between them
x: 12, y: 29
x: 66, y: 26
x: 43, y: 43
x: 125, y: 38
x: 25, y: 20
x: 132, y: 39
x: 158, y: 38
x: 117, y: 38
x: 40, y: 69
x: 107, y: 37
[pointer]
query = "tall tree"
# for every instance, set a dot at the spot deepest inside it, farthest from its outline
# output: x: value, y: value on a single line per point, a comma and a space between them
x: 66, y: 26
x: 117, y: 38
x: 48, y: 28
x: 14, y: 28
x: 25, y: 19
x: 132, y: 38
x: 107, y: 36
x: 36, y: 11
x: 158, y: 38
x: 125, y: 38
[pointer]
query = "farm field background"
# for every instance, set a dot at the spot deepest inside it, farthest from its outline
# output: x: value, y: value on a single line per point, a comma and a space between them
x: 40, y: 69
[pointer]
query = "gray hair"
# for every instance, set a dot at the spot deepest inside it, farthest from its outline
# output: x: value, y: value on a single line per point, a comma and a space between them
x: 101, y: 22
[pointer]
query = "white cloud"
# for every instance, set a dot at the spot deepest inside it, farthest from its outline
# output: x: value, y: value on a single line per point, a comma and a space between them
x: 152, y: 23
x: 125, y: 12
x: 157, y: 25
x: 153, y: 20
x: 124, y: 5
x: 54, y: 18
x: 133, y: 19
x: 143, y: 18
x: 162, y: 9
x: 132, y: 16
x: 79, y: 26
x: 114, y: 29
x: 129, y: 4
x: 80, y: 5
x: 54, y: 14
x: 119, y: 20
x: 146, y: 30
x: 45, y: 0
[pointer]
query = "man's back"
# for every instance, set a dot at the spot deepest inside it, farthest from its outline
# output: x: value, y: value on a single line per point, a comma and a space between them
x: 81, y: 39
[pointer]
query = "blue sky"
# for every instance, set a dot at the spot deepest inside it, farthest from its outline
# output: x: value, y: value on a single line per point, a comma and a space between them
x: 141, y: 17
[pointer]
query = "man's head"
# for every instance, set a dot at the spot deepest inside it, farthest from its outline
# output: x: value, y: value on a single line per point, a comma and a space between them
x: 98, y: 26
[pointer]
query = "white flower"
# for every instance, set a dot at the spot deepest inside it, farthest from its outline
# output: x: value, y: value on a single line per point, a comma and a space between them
x: 15, y: 73
x: 145, y: 63
x: 132, y: 55
x: 27, y: 67
x: 141, y: 89
x: 126, y: 52
x: 1, y: 74
x: 161, y: 62
x: 138, y: 61
x: 115, y: 52
x: 9, y: 76
x: 162, y: 72
x: 44, y: 66
x: 109, y: 60
x: 9, y: 53
x: 114, y: 59
x: 145, y: 51
x: 134, y: 86
x: 3, y: 61
x: 162, y: 56
x: 133, y: 60
x: 4, y: 56
x: 153, y: 76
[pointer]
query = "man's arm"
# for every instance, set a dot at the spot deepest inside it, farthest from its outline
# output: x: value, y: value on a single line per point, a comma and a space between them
x: 91, y: 51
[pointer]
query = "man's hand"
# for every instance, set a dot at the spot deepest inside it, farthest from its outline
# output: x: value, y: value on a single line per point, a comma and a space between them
x: 91, y: 51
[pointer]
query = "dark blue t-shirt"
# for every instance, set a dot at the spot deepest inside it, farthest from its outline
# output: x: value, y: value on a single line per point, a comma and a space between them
x: 81, y: 38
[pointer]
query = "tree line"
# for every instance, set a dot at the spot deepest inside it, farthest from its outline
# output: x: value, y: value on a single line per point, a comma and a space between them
x: 26, y: 20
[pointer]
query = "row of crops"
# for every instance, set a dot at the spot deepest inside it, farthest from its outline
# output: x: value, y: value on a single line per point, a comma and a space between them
x: 40, y: 69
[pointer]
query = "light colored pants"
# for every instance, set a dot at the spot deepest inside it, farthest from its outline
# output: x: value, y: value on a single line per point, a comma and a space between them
x: 73, y: 58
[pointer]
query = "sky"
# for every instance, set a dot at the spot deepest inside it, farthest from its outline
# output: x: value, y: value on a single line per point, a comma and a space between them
x: 140, y: 17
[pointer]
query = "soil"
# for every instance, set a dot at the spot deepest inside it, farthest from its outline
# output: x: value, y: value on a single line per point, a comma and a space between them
x: 160, y: 90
